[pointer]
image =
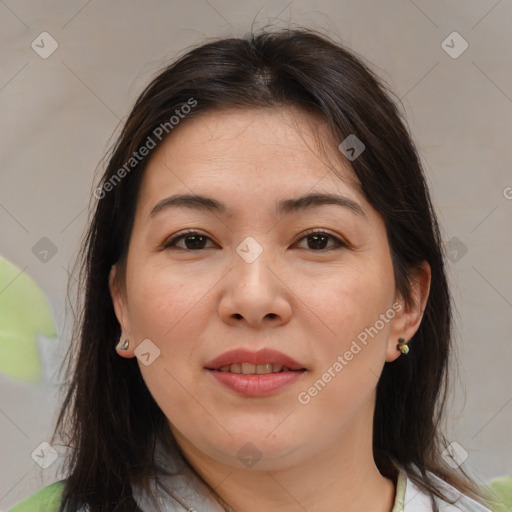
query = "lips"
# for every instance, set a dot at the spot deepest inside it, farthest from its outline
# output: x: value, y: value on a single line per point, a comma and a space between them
x: 261, y: 357
x: 246, y: 372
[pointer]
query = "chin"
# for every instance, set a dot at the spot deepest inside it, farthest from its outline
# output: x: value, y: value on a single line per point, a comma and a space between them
x: 260, y: 452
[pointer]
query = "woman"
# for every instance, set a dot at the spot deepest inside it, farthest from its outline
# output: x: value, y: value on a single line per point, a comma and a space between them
x: 266, y: 321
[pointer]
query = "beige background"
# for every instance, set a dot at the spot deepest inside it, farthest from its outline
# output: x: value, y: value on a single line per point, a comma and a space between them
x: 57, y: 116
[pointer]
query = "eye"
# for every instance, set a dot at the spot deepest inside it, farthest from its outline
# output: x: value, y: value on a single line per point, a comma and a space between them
x: 192, y: 241
x: 316, y: 240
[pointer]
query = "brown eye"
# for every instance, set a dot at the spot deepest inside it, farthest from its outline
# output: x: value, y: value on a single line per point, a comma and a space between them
x: 318, y: 241
x: 189, y: 241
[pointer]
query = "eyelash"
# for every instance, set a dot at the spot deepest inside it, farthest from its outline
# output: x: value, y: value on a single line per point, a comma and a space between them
x: 171, y: 243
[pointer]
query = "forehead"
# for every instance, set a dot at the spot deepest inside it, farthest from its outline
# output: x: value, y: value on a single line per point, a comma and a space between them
x: 237, y: 154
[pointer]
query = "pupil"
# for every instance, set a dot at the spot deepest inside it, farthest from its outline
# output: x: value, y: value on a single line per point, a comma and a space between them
x: 317, y: 238
x: 197, y: 241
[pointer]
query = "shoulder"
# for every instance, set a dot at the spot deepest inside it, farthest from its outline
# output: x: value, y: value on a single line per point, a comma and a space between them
x: 46, y: 499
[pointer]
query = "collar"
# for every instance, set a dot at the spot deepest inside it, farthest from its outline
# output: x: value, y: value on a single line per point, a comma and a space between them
x: 410, y: 498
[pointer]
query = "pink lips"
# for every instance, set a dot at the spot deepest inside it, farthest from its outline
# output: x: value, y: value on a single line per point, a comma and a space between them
x: 255, y: 385
x: 264, y: 356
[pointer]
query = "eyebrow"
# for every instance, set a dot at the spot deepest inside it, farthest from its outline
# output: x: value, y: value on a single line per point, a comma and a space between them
x: 208, y: 204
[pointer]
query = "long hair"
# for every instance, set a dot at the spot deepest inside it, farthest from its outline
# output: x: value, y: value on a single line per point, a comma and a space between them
x: 108, y: 417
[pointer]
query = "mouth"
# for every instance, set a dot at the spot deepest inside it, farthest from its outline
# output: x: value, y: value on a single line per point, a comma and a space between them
x: 248, y: 362
x: 255, y: 374
x: 255, y: 369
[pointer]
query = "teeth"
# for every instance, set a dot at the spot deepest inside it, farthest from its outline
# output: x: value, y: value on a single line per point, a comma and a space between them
x: 253, y: 369
x: 248, y: 368
x: 262, y: 369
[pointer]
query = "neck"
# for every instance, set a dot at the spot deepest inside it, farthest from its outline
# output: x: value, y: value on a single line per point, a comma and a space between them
x: 341, y: 477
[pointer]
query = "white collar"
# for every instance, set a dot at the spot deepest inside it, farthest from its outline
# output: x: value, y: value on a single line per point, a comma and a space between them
x: 417, y: 500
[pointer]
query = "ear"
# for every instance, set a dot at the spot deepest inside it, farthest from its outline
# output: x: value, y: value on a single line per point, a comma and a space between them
x: 121, y: 309
x: 408, y: 316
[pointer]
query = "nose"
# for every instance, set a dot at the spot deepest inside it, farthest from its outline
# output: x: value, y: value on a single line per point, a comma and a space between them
x: 255, y: 294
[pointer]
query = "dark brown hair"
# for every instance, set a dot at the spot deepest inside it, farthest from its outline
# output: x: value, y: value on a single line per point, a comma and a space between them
x: 108, y: 418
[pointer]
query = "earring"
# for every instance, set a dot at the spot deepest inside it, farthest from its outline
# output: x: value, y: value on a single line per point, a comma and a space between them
x: 124, y: 346
x: 402, y: 346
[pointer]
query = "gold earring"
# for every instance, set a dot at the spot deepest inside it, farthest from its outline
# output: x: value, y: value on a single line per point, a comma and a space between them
x: 402, y: 346
x: 124, y: 346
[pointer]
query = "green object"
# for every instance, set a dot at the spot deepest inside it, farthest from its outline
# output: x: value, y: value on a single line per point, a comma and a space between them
x: 499, y: 494
x: 45, y: 500
x: 24, y: 312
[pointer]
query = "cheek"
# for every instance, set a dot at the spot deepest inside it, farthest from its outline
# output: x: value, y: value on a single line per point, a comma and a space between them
x: 164, y: 303
x: 350, y: 358
x: 351, y: 299
x: 170, y: 308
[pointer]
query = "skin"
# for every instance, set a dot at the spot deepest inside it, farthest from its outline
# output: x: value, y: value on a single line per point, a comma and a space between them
x: 195, y: 304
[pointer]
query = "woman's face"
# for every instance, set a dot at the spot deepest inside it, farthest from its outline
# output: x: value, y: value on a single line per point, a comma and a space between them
x: 240, y: 269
